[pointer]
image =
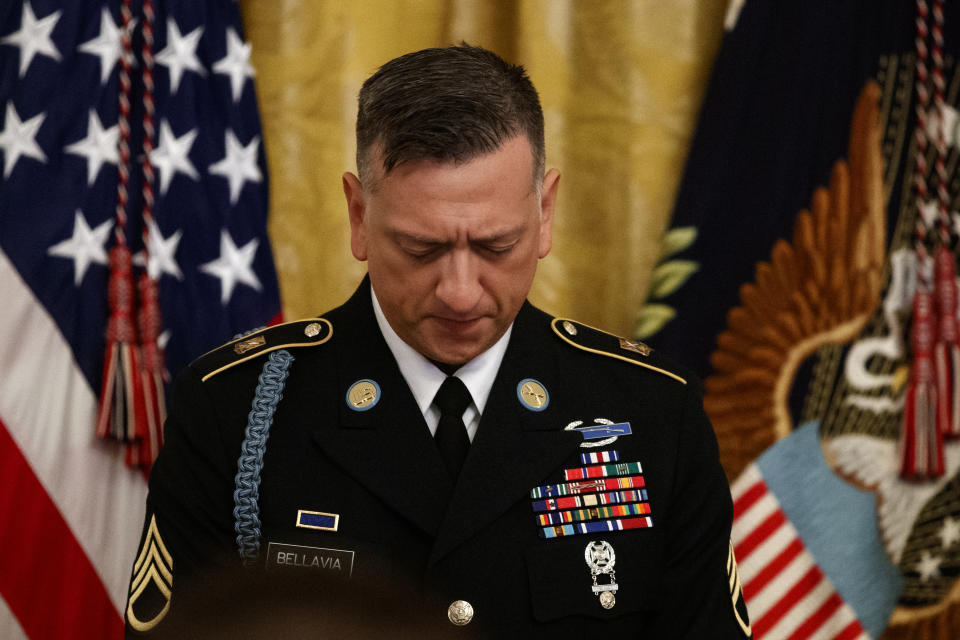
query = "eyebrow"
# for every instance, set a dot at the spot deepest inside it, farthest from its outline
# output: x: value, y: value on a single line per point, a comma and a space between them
x: 427, y: 240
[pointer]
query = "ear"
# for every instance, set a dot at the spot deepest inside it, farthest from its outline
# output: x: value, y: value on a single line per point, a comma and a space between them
x: 357, y: 210
x: 548, y: 198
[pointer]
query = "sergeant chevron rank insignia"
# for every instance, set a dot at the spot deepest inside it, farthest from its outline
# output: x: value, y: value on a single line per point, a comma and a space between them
x: 736, y: 595
x: 152, y: 582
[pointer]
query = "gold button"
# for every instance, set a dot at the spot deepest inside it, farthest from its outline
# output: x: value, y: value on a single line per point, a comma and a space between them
x: 460, y: 612
x: 569, y: 328
x: 312, y: 329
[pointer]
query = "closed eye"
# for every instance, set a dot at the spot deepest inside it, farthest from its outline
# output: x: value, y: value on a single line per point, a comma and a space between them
x: 497, y: 249
x: 418, y: 247
x: 424, y: 252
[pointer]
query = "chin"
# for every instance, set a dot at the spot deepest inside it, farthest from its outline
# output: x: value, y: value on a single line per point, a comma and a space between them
x: 454, y: 356
x: 455, y: 359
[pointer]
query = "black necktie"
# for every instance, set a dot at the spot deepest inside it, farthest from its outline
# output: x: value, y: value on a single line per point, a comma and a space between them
x: 452, y: 399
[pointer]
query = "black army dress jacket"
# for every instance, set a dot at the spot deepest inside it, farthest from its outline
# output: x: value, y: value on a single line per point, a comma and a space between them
x: 396, y: 541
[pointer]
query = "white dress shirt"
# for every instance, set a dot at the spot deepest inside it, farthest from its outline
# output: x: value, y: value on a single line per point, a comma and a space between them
x: 424, y: 378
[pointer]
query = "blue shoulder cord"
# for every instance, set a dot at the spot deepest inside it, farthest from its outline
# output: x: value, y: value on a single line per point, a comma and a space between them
x: 246, y: 510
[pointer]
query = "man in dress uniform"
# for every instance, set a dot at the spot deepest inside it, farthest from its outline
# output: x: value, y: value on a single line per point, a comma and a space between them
x: 514, y: 474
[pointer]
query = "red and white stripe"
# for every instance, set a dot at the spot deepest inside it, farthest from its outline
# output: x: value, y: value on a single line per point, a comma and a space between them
x: 72, y: 509
x: 787, y: 594
x: 9, y: 627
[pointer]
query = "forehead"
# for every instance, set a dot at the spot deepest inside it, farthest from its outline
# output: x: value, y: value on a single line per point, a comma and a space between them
x: 498, y: 181
x: 515, y: 152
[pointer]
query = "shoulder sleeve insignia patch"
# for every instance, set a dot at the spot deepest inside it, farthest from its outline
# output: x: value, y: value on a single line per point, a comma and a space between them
x: 736, y: 595
x: 302, y: 333
x: 152, y: 582
x: 593, y: 340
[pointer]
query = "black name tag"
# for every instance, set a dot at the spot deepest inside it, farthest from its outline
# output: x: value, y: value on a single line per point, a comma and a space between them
x: 336, y: 561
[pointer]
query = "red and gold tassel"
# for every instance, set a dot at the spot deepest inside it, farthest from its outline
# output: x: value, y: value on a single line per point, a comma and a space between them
x: 149, y: 320
x: 946, y: 351
x: 921, y: 440
x: 150, y: 435
x: 121, y: 410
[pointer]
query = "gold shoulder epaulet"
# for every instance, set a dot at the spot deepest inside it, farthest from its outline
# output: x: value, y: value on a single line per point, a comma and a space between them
x: 301, y: 333
x: 593, y: 340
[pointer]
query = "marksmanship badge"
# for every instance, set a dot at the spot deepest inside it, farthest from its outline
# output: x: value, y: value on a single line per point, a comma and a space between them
x: 601, y: 558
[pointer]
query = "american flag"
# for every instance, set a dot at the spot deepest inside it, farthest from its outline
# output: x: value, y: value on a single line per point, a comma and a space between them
x: 787, y: 593
x: 71, y: 508
x: 811, y: 563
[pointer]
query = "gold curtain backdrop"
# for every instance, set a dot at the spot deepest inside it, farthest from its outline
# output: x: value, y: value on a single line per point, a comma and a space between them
x: 620, y: 81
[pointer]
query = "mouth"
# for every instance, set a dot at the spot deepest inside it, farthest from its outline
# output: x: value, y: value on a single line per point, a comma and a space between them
x: 457, y: 325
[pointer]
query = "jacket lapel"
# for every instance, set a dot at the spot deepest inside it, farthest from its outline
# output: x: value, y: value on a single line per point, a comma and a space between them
x: 515, y: 448
x: 387, y: 448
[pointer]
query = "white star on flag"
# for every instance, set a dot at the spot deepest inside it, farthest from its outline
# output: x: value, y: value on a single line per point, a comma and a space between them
x: 235, y: 64
x: 928, y: 567
x: 107, y: 46
x: 161, y: 251
x: 33, y: 37
x: 949, y: 532
x: 98, y: 147
x: 18, y: 138
x: 234, y: 265
x: 85, y: 246
x: 180, y: 54
x: 238, y: 165
x: 171, y: 155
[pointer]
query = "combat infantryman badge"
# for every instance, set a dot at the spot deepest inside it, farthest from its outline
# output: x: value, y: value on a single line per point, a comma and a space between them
x: 601, y: 433
x: 601, y: 558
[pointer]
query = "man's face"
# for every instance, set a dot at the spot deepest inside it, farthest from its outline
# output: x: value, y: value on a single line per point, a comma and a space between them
x: 452, y: 249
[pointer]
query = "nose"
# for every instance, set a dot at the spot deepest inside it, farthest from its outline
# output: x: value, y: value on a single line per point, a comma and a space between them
x: 459, y: 286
